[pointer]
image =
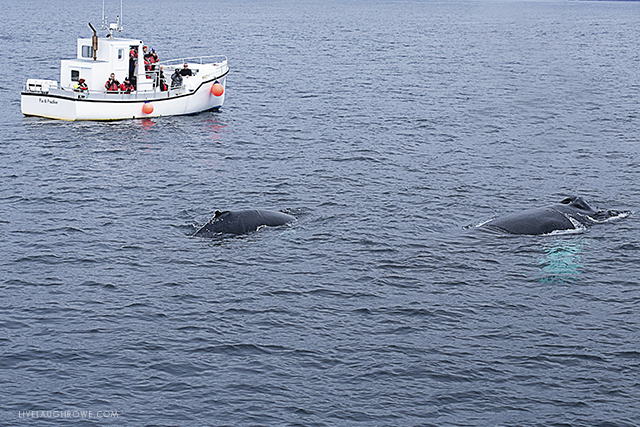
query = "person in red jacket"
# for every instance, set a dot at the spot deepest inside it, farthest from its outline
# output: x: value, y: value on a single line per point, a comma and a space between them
x: 112, y: 85
x: 126, y: 86
x: 153, y: 58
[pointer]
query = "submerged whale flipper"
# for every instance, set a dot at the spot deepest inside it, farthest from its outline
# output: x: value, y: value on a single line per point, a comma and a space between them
x: 242, y: 222
x: 571, y: 213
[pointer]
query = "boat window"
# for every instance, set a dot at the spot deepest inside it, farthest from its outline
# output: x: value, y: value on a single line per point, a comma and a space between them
x: 75, y: 75
x: 87, y: 51
x: 120, y: 53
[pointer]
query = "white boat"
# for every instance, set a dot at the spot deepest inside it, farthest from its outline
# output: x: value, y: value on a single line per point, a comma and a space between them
x: 98, y: 57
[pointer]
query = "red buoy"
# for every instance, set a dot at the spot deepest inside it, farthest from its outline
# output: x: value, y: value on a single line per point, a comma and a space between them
x: 147, y: 108
x: 217, y: 89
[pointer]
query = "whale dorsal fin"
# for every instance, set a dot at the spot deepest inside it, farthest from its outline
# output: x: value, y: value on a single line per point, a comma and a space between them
x: 216, y: 214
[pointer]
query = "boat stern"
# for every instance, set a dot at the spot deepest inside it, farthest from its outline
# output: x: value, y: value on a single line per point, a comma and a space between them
x: 36, y: 100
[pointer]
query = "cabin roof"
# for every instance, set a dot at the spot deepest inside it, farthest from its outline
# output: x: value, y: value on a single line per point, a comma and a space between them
x: 113, y: 40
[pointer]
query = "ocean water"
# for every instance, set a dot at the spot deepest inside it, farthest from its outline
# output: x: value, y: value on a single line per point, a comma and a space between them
x: 390, y: 129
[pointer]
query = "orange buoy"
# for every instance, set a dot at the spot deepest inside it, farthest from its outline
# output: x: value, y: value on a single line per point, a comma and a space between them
x: 217, y: 89
x: 147, y: 108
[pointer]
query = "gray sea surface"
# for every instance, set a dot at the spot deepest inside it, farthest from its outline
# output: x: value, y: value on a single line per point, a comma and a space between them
x: 390, y: 129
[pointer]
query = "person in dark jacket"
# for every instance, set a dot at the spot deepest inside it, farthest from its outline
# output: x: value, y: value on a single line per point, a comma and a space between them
x: 186, y: 71
x: 161, y: 80
x: 176, y: 79
x: 133, y: 61
x: 112, y: 85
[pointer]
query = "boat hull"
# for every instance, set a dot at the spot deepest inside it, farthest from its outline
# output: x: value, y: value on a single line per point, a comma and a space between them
x: 66, y: 106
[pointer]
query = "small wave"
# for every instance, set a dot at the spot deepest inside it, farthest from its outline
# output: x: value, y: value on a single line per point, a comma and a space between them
x: 579, y: 229
x: 620, y: 215
x: 483, y: 223
x: 239, y: 349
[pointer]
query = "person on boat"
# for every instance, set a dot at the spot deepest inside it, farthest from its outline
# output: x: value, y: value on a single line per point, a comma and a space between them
x: 126, y: 86
x: 150, y: 61
x: 133, y: 60
x: 153, y: 57
x: 81, y: 86
x: 161, y: 81
x: 112, y: 85
x: 176, y: 79
x: 186, y: 71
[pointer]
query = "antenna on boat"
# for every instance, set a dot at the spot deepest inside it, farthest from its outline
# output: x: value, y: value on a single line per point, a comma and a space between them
x: 117, y: 26
x: 104, y: 21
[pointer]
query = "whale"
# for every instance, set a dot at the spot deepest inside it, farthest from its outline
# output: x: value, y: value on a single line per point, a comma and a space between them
x: 242, y: 222
x: 572, y: 213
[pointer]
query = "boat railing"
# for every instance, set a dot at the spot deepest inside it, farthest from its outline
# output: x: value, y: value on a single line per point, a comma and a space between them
x: 212, y: 59
x: 39, y: 85
x: 144, y: 95
x: 51, y: 87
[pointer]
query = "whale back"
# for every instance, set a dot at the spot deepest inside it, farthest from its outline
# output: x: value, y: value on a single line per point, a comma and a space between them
x: 533, y: 221
x: 571, y: 213
x: 242, y: 222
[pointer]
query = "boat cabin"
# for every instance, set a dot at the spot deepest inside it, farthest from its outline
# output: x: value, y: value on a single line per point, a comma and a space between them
x: 96, y: 65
